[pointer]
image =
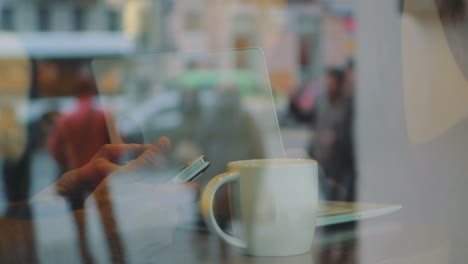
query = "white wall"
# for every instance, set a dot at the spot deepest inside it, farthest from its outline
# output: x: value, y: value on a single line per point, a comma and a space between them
x: 429, y: 179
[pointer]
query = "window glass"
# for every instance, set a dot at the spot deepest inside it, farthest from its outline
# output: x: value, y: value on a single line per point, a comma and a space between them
x: 113, y: 20
x: 375, y: 92
x: 43, y: 19
x: 78, y: 18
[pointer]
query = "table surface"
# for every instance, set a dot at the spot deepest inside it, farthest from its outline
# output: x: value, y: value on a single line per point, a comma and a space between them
x: 58, y: 239
x: 151, y: 225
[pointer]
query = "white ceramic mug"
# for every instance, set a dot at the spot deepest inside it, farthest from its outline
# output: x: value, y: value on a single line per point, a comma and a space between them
x: 278, y: 202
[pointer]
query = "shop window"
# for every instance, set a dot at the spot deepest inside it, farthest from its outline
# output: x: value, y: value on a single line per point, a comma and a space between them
x: 78, y: 19
x: 113, y: 20
x: 7, y: 18
x: 43, y: 19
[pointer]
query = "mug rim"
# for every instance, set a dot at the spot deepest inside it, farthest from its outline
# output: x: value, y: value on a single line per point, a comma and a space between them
x: 258, y: 163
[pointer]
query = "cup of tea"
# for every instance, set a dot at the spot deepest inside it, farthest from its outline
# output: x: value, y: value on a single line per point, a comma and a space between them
x: 278, y: 201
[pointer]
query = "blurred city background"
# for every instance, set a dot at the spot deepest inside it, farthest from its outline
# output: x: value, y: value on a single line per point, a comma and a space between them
x: 198, y: 72
x: 375, y: 90
x: 45, y: 44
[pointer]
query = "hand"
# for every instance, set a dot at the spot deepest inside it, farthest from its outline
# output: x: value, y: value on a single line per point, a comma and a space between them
x: 108, y: 160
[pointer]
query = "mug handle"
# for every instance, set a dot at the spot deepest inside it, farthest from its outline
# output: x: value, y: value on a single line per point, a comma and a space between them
x: 206, y: 206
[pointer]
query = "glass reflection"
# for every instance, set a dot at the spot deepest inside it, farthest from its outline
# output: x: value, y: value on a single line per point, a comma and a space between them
x: 204, y: 102
x: 84, y: 208
x: 74, y: 140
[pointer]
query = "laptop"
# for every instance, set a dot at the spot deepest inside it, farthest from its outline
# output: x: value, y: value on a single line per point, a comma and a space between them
x: 201, y: 99
x: 334, y: 212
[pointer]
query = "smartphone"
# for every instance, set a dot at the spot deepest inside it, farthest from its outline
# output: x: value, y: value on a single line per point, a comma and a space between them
x: 191, y: 170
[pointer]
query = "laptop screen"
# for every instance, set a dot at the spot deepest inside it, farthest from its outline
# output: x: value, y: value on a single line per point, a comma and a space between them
x: 218, y: 104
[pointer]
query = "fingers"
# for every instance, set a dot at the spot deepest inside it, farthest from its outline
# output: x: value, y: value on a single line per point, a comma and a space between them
x: 84, y: 179
x: 70, y: 184
x: 118, y: 153
x: 105, y: 162
x: 153, y: 156
x: 163, y: 144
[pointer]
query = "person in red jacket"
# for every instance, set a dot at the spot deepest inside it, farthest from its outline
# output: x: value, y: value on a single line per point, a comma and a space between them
x: 78, y: 135
x: 75, y: 139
